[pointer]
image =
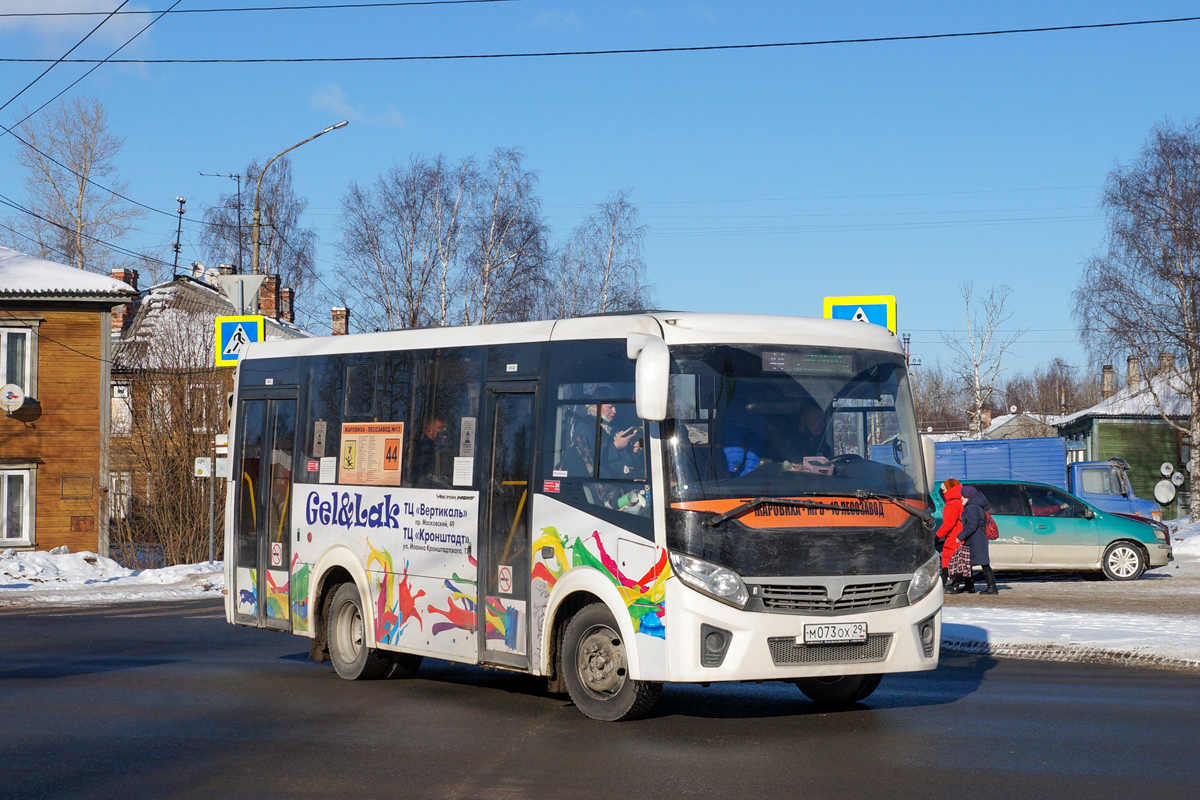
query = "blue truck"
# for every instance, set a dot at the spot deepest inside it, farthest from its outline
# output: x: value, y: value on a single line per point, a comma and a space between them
x: 1103, y: 484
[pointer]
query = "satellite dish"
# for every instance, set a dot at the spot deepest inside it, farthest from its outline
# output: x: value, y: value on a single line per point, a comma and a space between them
x: 1166, y: 469
x: 12, y: 397
x: 1164, y: 492
x: 1177, y: 479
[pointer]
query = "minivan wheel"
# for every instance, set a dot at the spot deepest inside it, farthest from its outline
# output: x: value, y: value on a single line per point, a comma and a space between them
x: 1123, y: 561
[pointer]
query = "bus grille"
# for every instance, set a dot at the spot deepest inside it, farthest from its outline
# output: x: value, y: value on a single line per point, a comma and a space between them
x: 785, y: 652
x: 815, y: 599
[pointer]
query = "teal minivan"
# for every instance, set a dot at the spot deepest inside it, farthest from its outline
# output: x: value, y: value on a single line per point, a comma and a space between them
x: 1044, y: 528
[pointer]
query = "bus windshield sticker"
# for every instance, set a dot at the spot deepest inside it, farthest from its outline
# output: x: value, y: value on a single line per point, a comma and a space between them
x: 328, y: 472
x: 464, y: 471
x: 466, y: 437
x: 371, y: 453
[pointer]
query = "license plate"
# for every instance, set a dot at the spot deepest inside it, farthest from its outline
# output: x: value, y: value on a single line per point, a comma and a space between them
x: 834, y: 633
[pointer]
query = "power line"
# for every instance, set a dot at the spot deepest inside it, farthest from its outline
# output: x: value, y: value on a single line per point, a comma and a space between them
x: 17, y: 206
x: 323, y: 7
x: 15, y: 135
x: 64, y: 55
x: 628, y: 51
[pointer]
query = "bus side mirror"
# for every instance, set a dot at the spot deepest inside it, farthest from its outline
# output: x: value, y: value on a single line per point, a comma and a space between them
x: 929, y: 456
x: 652, y: 374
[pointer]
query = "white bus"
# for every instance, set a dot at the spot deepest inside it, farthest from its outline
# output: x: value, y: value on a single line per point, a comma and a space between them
x: 611, y: 502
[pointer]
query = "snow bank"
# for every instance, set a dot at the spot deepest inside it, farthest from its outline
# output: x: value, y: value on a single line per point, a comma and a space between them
x: 58, y: 577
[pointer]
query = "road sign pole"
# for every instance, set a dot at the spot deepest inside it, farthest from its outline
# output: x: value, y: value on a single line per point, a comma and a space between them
x: 212, y: 510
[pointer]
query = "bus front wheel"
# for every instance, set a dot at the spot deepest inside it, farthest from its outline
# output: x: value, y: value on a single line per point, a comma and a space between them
x: 836, y: 691
x: 349, y: 641
x: 596, y: 670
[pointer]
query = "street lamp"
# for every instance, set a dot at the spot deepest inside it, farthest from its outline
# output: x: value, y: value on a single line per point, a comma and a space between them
x: 258, y: 190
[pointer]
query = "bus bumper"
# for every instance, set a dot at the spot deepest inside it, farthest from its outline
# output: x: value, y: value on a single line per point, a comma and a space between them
x: 769, y: 646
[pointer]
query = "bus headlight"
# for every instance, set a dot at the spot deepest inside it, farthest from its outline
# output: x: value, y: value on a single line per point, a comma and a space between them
x: 924, y: 578
x: 715, y: 581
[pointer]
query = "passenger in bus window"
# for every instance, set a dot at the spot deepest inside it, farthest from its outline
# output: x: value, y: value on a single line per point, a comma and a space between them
x: 579, y: 457
x: 743, y: 441
x: 620, y: 449
x: 426, y: 469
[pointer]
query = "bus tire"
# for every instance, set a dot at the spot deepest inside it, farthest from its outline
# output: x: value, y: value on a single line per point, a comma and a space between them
x: 839, y: 690
x: 404, y: 665
x: 595, y: 668
x: 349, y: 642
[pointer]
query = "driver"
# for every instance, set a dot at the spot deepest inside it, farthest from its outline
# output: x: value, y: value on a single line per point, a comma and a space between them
x: 812, y: 441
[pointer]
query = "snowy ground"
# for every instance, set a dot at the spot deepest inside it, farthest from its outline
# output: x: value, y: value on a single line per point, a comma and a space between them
x: 1169, y: 635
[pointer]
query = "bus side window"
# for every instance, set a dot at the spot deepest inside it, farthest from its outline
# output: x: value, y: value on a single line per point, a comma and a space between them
x: 595, y: 457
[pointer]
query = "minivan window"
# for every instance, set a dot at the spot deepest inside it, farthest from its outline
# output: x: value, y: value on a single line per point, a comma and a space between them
x: 1050, y: 502
x: 1004, y: 499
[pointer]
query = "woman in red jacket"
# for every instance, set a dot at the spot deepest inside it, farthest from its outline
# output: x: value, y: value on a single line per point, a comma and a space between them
x: 951, y: 524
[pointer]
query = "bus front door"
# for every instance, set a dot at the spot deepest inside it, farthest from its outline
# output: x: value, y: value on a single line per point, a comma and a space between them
x: 263, y: 470
x: 504, y: 533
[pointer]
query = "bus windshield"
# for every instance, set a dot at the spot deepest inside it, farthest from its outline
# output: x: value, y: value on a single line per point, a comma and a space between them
x: 751, y: 421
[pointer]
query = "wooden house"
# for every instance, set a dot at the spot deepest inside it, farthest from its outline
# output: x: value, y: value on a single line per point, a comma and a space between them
x: 55, y: 324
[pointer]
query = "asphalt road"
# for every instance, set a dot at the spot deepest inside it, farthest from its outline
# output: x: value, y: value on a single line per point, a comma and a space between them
x: 166, y: 700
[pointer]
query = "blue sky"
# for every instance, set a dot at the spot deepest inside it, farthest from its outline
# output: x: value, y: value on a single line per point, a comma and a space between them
x: 768, y: 178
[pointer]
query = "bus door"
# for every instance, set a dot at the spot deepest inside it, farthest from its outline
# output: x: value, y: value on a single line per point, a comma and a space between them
x: 504, y: 532
x: 263, y: 471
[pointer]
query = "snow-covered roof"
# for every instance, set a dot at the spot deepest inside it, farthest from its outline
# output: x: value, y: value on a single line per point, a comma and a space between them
x: 1139, y: 402
x: 173, y: 326
x: 24, y: 276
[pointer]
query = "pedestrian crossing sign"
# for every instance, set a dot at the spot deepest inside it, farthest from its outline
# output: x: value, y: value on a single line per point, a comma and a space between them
x: 233, y: 334
x: 878, y: 309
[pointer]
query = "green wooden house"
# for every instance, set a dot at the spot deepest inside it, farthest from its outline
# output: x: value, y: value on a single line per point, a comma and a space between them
x: 1129, y: 424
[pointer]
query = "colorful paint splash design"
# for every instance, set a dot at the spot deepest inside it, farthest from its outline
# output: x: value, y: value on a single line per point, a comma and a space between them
x: 395, y: 604
x: 501, y: 622
x: 299, y: 589
x: 249, y: 597
x: 277, y: 596
x: 460, y: 613
x: 645, y: 597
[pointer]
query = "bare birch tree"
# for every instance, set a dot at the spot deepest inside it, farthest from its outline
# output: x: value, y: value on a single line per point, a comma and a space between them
x: 938, y: 395
x: 507, y: 248
x: 401, y: 238
x: 286, y: 246
x: 1141, y: 294
x: 979, y: 353
x: 601, y: 267
x: 75, y: 218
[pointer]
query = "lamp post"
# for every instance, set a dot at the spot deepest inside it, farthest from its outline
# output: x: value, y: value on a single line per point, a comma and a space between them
x: 258, y: 190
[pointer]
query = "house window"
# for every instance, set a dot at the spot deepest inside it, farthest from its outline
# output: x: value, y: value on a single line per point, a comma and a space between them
x: 120, y: 489
x: 16, y: 507
x: 122, y: 411
x: 16, y: 350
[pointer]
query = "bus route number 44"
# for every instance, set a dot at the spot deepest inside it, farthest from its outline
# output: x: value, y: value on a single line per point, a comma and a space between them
x: 837, y: 633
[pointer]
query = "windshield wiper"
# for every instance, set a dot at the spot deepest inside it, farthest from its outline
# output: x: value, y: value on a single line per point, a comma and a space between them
x: 925, y: 517
x: 862, y: 494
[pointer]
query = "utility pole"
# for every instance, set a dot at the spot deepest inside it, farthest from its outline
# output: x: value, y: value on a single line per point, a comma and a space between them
x: 179, y: 230
x: 237, y: 177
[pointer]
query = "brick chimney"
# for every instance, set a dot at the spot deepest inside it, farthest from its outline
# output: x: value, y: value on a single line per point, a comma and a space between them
x: 1166, y: 364
x: 226, y: 269
x: 268, y: 297
x: 287, y: 304
x: 1107, y: 381
x: 1133, y: 373
x: 341, y: 321
x: 121, y: 315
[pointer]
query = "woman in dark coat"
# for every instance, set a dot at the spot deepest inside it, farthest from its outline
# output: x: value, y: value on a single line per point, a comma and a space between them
x: 974, y: 536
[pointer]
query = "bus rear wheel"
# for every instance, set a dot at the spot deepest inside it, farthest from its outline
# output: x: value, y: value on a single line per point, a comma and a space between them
x: 839, y: 690
x: 595, y: 668
x: 349, y: 641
